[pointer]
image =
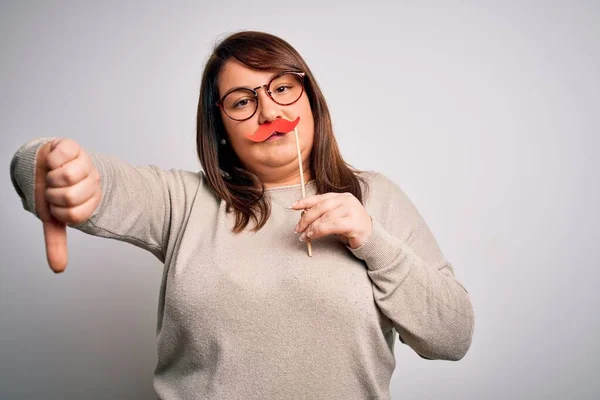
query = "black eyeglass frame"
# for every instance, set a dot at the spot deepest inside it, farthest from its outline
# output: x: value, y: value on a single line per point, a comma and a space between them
x: 255, y: 91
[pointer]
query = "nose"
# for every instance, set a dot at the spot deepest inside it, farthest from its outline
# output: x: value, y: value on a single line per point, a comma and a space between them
x: 268, y: 110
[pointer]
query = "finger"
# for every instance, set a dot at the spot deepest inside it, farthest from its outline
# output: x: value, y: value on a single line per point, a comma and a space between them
x: 310, y: 201
x: 317, y: 211
x: 55, y: 236
x: 78, y: 214
x: 335, y: 221
x: 72, y: 196
x: 70, y: 173
x: 63, y: 151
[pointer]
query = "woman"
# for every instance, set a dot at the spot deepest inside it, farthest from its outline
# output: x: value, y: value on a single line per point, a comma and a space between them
x: 244, y: 312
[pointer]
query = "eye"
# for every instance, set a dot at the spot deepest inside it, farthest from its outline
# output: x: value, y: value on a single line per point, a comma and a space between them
x: 282, y: 89
x: 242, y: 103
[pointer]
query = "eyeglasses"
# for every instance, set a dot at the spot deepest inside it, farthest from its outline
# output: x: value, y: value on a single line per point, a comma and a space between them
x: 284, y: 89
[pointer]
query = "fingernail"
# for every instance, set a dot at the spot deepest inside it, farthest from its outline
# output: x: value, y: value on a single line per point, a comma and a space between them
x: 302, y: 237
x: 293, y: 204
x: 296, y: 229
x: 309, y: 234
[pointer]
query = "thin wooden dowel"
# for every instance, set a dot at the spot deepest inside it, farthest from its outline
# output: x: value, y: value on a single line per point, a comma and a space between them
x: 302, y: 181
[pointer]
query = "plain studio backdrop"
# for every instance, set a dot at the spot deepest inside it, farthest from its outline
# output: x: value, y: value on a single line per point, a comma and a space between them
x: 485, y: 114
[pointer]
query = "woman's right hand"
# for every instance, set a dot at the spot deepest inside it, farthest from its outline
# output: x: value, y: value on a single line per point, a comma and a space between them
x: 67, y: 192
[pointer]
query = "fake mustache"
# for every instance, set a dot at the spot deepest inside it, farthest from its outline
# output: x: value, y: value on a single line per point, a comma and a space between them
x: 265, y: 131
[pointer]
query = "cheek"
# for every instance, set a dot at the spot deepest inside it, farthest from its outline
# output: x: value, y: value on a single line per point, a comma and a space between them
x: 229, y: 127
x: 306, y: 121
x: 235, y: 131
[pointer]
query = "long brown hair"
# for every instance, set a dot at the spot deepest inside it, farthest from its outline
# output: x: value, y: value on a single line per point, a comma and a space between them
x: 238, y: 187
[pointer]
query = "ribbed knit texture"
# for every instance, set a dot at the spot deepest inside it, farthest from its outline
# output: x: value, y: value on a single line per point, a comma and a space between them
x: 251, y: 315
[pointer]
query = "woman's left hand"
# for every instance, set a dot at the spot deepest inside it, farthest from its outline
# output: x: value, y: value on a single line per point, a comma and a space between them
x: 334, y: 213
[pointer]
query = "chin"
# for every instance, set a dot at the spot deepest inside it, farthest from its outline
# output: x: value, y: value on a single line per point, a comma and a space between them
x: 283, y: 156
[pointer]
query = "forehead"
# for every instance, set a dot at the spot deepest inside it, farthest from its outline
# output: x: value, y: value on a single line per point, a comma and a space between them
x: 236, y: 74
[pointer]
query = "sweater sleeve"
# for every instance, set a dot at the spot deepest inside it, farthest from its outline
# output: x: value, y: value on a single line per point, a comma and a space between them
x: 413, y: 284
x: 137, y: 201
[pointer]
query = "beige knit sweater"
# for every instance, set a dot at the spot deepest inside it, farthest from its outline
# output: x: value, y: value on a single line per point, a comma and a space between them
x: 250, y: 315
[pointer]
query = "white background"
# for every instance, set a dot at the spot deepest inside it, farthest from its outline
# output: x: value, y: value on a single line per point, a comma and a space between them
x: 486, y: 114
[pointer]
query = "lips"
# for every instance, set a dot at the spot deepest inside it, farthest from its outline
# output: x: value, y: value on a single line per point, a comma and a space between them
x: 279, y: 126
x: 276, y: 136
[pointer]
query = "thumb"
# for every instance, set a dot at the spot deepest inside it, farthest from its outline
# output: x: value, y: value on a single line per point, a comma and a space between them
x: 55, y: 236
x: 55, y: 231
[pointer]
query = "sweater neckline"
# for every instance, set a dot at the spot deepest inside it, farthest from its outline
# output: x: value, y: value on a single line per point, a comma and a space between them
x: 291, y: 187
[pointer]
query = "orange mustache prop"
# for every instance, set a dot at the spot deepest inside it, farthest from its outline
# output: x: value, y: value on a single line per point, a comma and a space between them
x: 265, y: 131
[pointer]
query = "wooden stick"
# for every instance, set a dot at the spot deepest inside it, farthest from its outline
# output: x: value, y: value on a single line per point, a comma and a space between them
x: 302, y: 181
